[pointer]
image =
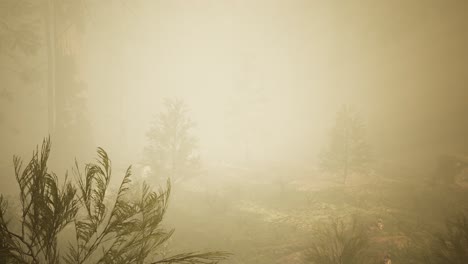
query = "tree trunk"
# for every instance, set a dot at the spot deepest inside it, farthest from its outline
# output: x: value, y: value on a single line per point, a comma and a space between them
x: 347, y: 154
x: 50, y: 26
x: 345, y: 172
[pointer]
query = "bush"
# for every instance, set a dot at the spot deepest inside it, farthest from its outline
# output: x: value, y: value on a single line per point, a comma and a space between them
x: 447, y: 247
x: 451, y: 247
x: 339, y: 242
x: 122, y: 231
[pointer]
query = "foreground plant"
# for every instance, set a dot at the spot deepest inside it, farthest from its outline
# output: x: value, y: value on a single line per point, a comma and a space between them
x: 121, y: 231
x: 339, y: 242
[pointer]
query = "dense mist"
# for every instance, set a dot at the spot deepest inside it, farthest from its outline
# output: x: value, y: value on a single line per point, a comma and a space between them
x: 262, y: 131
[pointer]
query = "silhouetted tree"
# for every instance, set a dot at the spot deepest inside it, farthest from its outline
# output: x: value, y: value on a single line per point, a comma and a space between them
x: 347, y: 151
x: 172, y: 148
x: 73, y: 130
x: 120, y: 231
x: 18, y: 27
x: 54, y: 26
x: 5, y: 256
x: 59, y: 18
x: 19, y: 41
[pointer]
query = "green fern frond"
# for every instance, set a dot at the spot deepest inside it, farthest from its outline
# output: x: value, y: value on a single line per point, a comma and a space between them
x: 195, y: 258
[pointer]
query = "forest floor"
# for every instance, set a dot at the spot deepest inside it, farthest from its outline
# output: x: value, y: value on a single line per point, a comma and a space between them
x: 269, y: 216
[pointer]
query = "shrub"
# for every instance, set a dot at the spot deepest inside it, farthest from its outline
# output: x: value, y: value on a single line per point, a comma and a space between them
x: 122, y: 231
x: 339, y: 242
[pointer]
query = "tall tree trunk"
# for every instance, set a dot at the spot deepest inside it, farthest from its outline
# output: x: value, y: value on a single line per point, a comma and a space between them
x: 345, y: 172
x: 347, y: 154
x: 120, y: 30
x: 50, y: 25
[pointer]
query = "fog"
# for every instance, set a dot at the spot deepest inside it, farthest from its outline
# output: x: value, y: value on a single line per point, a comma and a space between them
x: 287, y: 67
x: 268, y: 117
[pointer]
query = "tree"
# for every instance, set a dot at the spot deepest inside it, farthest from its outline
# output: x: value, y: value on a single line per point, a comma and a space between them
x: 27, y: 26
x: 44, y: 36
x: 19, y: 42
x: 172, y: 148
x: 347, y: 151
x: 18, y: 24
x: 117, y: 230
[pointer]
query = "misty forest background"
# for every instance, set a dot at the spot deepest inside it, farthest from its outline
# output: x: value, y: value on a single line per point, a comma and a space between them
x: 258, y: 131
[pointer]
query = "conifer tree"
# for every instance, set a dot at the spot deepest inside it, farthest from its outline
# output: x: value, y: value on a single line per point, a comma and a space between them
x: 347, y: 151
x: 172, y: 149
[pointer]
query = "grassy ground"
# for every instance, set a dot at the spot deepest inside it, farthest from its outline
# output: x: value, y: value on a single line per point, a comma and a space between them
x: 270, y: 215
x: 267, y: 216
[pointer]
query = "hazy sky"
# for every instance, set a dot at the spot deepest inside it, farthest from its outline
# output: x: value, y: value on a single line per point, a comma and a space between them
x: 268, y: 76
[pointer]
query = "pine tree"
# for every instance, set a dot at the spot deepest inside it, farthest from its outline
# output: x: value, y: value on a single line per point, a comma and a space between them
x: 172, y: 150
x: 347, y: 151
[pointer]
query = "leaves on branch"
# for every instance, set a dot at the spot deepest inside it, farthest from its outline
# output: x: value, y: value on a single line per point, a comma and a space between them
x: 123, y: 229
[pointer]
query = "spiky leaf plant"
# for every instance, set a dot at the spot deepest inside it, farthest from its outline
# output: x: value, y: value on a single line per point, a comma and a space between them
x: 46, y: 209
x: 339, y: 242
x: 449, y: 246
x: 121, y: 230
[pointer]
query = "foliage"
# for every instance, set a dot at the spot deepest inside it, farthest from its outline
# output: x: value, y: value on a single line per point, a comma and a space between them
x: 347, y: 151
x: 172, y: 148
x: 339, y: 242
x: 73, y: 128
x: 451, y: 247
x: 36, y: 42
x: 120, y: 231
x: 47, y: 208
x: 18, y: 31
x: 429, y: 247
x: 449, y: 167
